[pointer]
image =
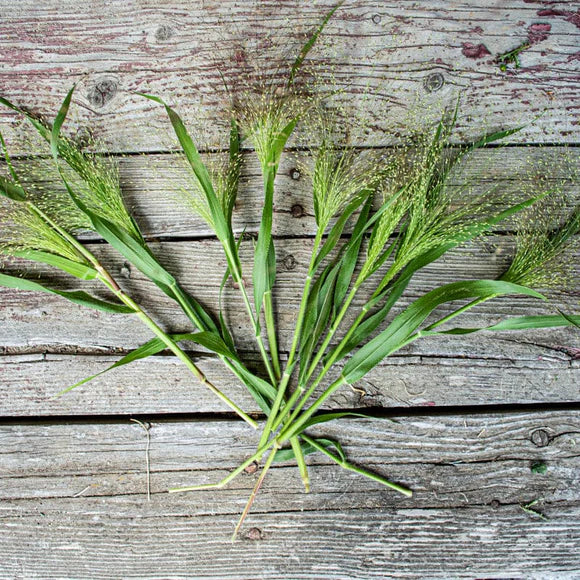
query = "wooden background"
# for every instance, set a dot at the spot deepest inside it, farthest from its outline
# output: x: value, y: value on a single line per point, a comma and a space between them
x: 474, y: 415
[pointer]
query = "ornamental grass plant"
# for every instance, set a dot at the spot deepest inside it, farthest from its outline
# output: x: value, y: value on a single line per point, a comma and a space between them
x: 381, y: 217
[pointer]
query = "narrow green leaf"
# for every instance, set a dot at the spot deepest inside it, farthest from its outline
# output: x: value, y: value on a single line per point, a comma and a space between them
x: 351, y: 256
x: 264, y: 254
x: 222, y: 228
x: 307, y: 449
x: 573, y: 320
x: 150, y: 348
x: 155, y: 346
x: 321, y: 314
x: 326, y: 417
x: 408, y: 321
x: 133, y: 251
x: 58, y: 122
x: 516, y: 323
x: 11, y: 190
x: 310, y: 43
x: 495, y: 136
x: 81, y: 271
x: 337, y: 229
x: 76, y: 296
x: 201, y: 318
x: 39, y: 126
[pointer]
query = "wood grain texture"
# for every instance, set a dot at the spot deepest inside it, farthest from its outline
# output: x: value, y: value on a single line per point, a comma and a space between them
x: 30, y: 319
x: 153, y: 187
x: 521, y: 374
x: 411, y: 55
x: 73, y: 498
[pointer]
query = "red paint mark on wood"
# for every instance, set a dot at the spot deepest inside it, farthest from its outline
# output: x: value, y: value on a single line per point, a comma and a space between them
x: 538, y: 32
x: 474, y: 50
x: 569, y: 16
x: 477, y: 30
x: 572, y: 57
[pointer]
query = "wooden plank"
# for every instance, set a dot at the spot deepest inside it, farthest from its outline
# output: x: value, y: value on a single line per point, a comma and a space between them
x: 413, y: 56
x: 531, y: 374
x: 361, y: 544
x: 79, y: 491
x: 152, y: 186
x: 32, y: 320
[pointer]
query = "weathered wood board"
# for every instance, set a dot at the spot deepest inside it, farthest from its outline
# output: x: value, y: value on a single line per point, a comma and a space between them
x: 522, y: 374
x: 73, y: 501
x: 153, y: 188
x: 73, y: 498
x: 413, y: 55
x: 34, y: 318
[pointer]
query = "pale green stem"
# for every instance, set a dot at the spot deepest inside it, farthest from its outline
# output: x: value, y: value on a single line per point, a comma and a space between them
x: 302, y: 467
x: 255, y: 491
x: 350, y: 467
x: 105, y: 277
x: 294, y: 427
x: 294, y: 347
x: 335, y: 352
x: 306, y: 394
x: 271, y: 330
x: 255, y: 325
x: 231, y: 476
x: 109, y: 281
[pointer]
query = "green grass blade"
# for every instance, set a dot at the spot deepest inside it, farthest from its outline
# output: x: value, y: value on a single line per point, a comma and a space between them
x: 308, y: 448
x: 222, y: 228
x: 81, y: 271
x: 573, y: 320
x: 408, y: 321
x: 76, y: 296
x: 310, y: 43
x: 58, y: 122
x: 264, y: 254
x: 11, y: 190
x: 40, y: 127
x: 150, y: 348
x: 336, y: 231
x: 351, y: 257
x: 326, y: 417
x: 516, y: 323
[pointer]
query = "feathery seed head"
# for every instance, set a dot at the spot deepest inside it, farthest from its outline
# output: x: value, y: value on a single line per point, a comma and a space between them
x: 22, y: 229
x: 224, y: 174
x: 542, y: 256
x: 267, y: 118
x: 95, y: 179
x: 340, y: 174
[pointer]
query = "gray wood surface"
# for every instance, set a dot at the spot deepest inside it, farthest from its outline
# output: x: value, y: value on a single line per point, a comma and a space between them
x: 394, y: 48
x: 73, y: 497
x: 73, y: 501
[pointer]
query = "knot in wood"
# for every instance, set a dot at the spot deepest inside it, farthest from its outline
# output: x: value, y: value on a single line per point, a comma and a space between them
x: 102, y: 92
x: 376, y: 19
x: 255, y: 534
x: 289, y: 262
x: 164, y: 33
x: 433, y: 82
x: 252, y: 468
x: 540, y: 438
x: 297, y: 210
x: 126, y: 270
x: 295, y: 174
